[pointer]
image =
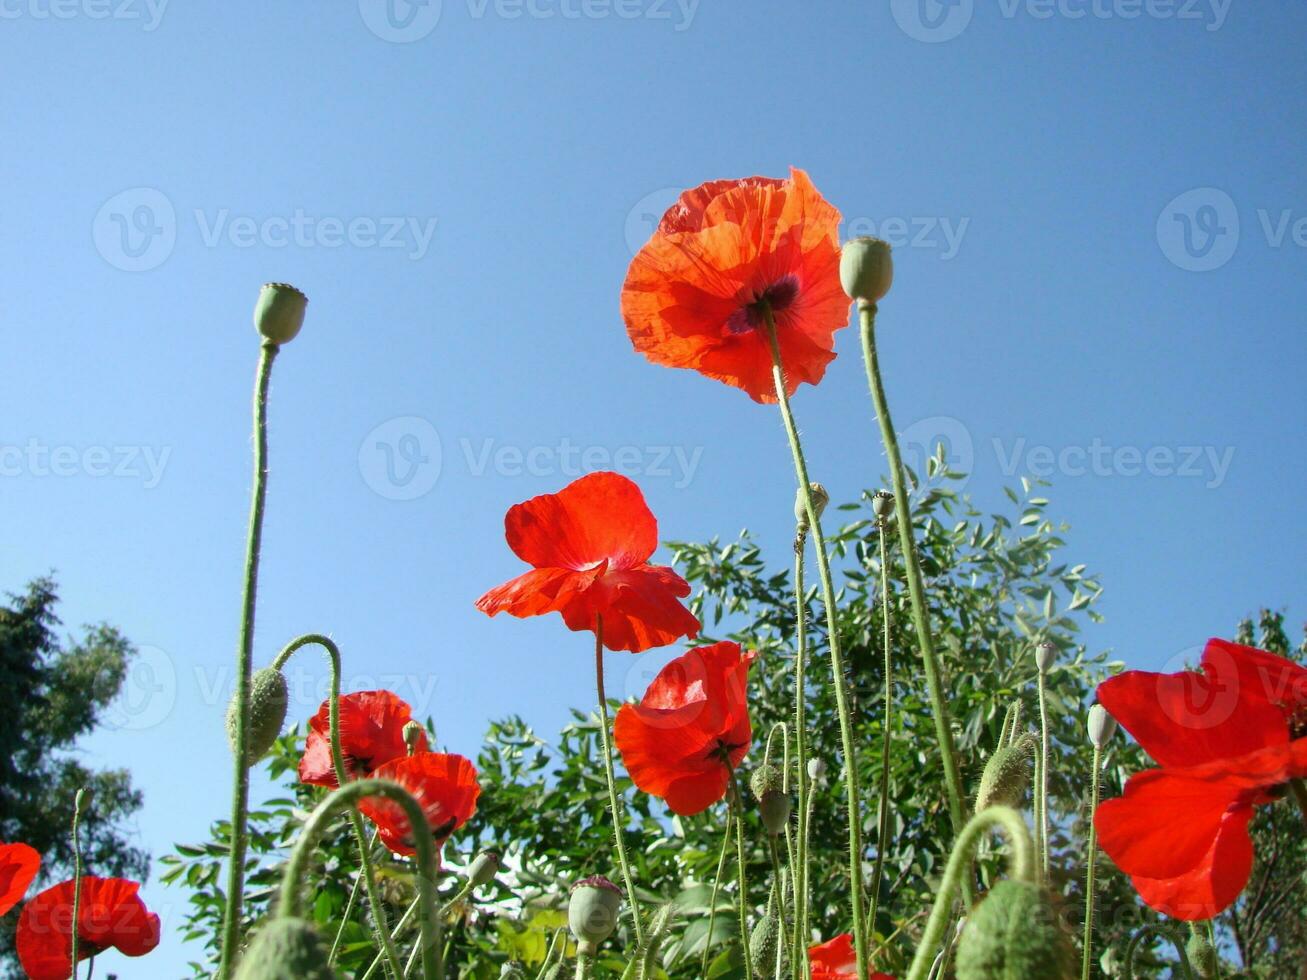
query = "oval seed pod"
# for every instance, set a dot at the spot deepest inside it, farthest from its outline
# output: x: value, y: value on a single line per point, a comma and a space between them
x: 592, y: 911
x: 866, y: 269
x: 1102, y: 726
x: 279, y: 312
x: 269, y: 697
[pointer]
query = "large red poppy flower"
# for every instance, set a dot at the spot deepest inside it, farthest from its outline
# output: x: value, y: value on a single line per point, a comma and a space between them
x: 694, y: 294
x: 685, y: 737
x: 371, y: 734
x: 110, y: 915
x: 446, y: 788
x: 837, y: 959
x: 590, y: 544
x: 18, y: 866
x: 1229, y: 738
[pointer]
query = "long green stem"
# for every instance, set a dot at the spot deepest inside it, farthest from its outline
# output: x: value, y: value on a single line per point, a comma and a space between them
x: 783, y: 939
x: 1043, y: 776
x: 738, y: 803
x: 411, y: 911
x: 716, y: 887
x: 554, y: 955
x: 78, y: 802
x: 346, y: 798
x: 799, y: 868
x: 240, y: 799
x: 1154, y: 929
x: 854, y: 802
x: 584, y: 966
x: 882, y: 832
x: 349, y: 907
x: 1021, y: 867
x: 912, y: 567
x: 614, y: 802
x: 1094, y: 782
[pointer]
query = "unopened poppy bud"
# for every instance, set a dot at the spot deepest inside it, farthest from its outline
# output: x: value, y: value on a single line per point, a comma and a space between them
x: 268, y: 699
x: 763, y: 943
x: 866, y: 269
x: 774, y: 808
x: 482, y: 871
x: 1102, y: 726
x: 592, y: 911
x: 1202, y: 956
x: 286, y: 949
x: 767, y: 778
x: 279, y: 312
x: 882, y: 505
x: 820, y: 498
x: 1045, y: 656
x: 1006, y: 775
x: 413, y: 734
x: 816, y: 770
x: 1014, y: 933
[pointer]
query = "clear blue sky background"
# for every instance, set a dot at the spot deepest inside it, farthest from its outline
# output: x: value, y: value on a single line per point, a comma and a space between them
x: 1071, y: 313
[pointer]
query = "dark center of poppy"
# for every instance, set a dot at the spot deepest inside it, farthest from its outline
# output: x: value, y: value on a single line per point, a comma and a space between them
x: 753, y: 314
x: 722, y: 752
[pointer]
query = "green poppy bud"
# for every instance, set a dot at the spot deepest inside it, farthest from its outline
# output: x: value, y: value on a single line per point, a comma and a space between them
x: 774, y: 807
x: 1006, y: 775
x: 882, y: 505
x: 866, y: 269
x: 820, y: 498
x: 1045, y: 656
x: 1202, y: 956
x: 279, y: 312
x: 268, y: 699
x: 767, y: 778
x: 482, y: 871
x: 1014, y: 934
x: 764, y: 945
x: 413, y: 734
x: 1102, y: 726
x: 592, y: 911
x: 286, y: 949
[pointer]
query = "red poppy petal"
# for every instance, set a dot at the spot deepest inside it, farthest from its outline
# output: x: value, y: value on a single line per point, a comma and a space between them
x: 371, y: 734
x: 19, y: 864
x: 836, y: 958
x: 1214, y: 883
x: 602, y: 517
x: 539, y: 591
x: 641, y: 609
x: 445, y: 786
x: 687, y: 214
x: 111, y: 914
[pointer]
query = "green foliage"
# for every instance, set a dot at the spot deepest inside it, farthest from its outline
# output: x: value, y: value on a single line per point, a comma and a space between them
x: 51, y: 695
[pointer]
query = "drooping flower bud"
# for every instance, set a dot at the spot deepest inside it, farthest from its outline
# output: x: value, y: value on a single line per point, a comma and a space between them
x: 1014, y: 934
x: 286, y: 949
x: 1006, y: 776
x: 269, y: 697
x: 767, y: 778
x: 1045, y: 656
x: 1202, y: 956
x: 483, y: 869
x: 413, y: 734
x: 279, y: 312
x: 866, y: 269
x: 1102, y: 726
x: 592, y: 911
x: 820, y: 498
x: 882, y: 505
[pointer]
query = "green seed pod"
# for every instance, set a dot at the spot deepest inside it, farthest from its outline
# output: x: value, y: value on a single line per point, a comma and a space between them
x: 820, y: 498
x: 882, y: 505
x: 1202, y: 956
x: 482, y: 871
x: 279, y: 312
x: 286, y: 949
x: 1006, y: 776
x: 767, y: 778
x: 413, y: 734
x: 1014, y: 934
x: 268, y: 700
x: 1102, y: 726
x: 866, y: 269
x: 816, y: 769
x: 774, y: 807
x: 1045, y: 656
x: 592, y: 911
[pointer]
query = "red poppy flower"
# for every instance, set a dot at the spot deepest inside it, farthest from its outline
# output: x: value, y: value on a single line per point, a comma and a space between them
x: 18, y: 866
x: 694, y: 295
x: 685, y: 737
x: 110, y: 914
x: 590, y: 544
x: 1229, y: 738
x: 371, y: 734
x: 836, y: 959
x: 445, y: 786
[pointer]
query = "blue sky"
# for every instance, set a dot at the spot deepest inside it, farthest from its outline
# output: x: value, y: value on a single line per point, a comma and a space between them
x: 1100, y: 210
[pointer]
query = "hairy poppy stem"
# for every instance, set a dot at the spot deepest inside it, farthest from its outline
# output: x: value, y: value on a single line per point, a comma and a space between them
x: 799, y: 871
x: 833, y: 640
x: 78, y: 802
x: 882, y: 830
x: 1156, y: 929
x: 347, y: 797
x: 1022, y: 867
x: 380, y: 932
x: 738, y: 804
x: 716, y: 888
x: 240, y: 800
x: 912, y: 567
x: 1299, y: 788
x: 614, y: 802
x: 1087, y: 957
x: 1042, y: 789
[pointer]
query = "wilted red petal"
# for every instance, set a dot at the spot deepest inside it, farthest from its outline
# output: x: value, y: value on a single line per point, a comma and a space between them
x: 110, y: 915
x: 371, y: 734
x: 446, y: 788
x: 18, y: 866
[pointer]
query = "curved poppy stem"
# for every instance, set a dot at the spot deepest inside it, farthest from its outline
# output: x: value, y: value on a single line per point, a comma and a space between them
x: 346, y: 798
x: 1022, y: 867
x: 833, y: 640
x: 912, y: 566
x: 882, y: 830
x: 614, y: 802
x: 716, y: 888
x: 738, y: 805
x: 1094, y: 783
x: 1159, y: 930
x: 240, y: 799
x: 78, y: 802
x: 380, y: 931
x: 799, y: 869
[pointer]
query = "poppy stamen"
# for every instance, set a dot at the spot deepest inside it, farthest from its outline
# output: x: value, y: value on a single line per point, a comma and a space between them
x: 775, y: 297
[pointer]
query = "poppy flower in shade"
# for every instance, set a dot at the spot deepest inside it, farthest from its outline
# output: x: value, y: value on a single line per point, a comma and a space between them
x: 694, y: 296
x: 110, y: 915
x: 445, y: 786
x: 685, y: 737
x: 590, y: 544
x: 837, y: 959
x: 371, y: 734
x: 1229, y: 738
x: 18, y: 866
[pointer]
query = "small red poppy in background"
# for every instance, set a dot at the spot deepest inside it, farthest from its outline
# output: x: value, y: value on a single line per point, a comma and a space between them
x: 18, y: 866
x: 837, y: 959
x: 694, y: 295
x: 590, y: 545
x: 445, y: 786
x: 110, y: 915
x: 371, y: 734
x: 685, y: 737
x: 1228, y: 738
